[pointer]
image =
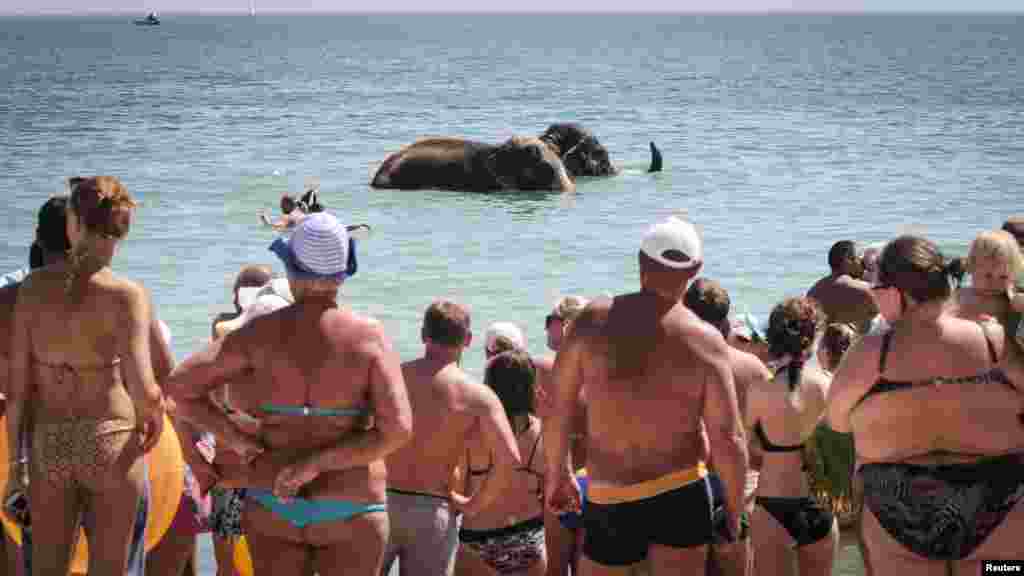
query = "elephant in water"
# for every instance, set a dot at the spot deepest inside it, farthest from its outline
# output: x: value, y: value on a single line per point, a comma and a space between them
x: 522, y: 163
x: 582, y: 154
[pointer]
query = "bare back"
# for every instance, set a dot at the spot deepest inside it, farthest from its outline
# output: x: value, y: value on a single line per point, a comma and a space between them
x: 787, y: 418
x: 929, y: 417
x: 75, y: 344
x: 845, y: 300
x: 521, y: 498
x: 645, y: 374
x: 306, y: 356
x: 445, y: 404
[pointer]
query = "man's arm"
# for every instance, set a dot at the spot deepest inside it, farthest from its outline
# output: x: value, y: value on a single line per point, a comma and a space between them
x: 722, y: 418
x: 559, y: 423
x: 500, y: 442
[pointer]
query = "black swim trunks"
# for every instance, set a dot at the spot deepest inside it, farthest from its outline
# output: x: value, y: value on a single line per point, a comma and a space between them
x: 619, y: 533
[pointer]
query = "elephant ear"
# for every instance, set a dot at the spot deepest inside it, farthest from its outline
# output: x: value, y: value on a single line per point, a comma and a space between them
x: 493, y: 162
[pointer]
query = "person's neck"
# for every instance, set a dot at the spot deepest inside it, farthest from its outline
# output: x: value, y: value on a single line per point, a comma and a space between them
x: 925, y: 314
x: 442, y: 355
x: 521, y: 423
x: 661, y: 301
x: 53, y: 257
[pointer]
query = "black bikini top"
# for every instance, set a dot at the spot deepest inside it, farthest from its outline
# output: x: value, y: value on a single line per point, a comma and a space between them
x: 882, y: 385
x: 767, y: 446
x: 527, y: 468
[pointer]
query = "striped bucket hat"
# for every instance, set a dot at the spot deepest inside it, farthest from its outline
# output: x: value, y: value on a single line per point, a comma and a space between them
x: 320, y: 248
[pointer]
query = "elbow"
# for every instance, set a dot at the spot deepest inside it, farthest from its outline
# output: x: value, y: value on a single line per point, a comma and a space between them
x: 401, y: 432
x: 729, y: 442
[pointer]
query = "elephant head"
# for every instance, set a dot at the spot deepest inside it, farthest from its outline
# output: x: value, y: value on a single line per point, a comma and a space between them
x: 579, y: 150
x: 527, y: 163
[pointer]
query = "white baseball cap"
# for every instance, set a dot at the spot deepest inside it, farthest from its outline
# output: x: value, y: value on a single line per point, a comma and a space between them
x: 506, y: 330
x: 673, y: 243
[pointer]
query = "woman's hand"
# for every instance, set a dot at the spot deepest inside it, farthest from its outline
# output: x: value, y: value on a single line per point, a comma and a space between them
x: 293, y: 477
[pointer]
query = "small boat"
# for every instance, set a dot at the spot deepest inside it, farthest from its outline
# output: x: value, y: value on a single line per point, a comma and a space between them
x: 149, y: 20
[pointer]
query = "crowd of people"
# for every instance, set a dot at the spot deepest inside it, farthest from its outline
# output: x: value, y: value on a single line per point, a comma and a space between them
x: 661, y: 435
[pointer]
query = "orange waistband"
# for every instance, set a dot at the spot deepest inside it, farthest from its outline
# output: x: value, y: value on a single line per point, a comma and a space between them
x: 601, y: 493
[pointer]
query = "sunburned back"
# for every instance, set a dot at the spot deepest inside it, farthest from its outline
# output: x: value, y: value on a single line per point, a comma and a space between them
x: 442, y: 404
x: 522, y: 497
x: 74, y: 344
x: 309, y: 386
x: 644, y: 372
x: 300, y: 361
x: 939, y: 398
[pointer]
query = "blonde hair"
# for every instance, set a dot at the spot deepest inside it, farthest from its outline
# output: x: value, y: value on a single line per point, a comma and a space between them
x: 569, y: 307
x: 998, y: 245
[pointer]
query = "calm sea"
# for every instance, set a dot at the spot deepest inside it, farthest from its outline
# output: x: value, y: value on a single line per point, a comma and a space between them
x: 781, y: 135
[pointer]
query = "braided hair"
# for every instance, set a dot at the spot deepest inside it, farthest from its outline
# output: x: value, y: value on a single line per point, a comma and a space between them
x: 792, y: 328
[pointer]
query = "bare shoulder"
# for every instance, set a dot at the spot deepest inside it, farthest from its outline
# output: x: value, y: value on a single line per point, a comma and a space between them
x: 359, y: 332
x: 474, y: 398
x: 706, y: 341
x: 131, y: 295
x: 749, y: 366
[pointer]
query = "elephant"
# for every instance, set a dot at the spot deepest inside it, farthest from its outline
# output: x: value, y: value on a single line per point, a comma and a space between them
x: 583, y: 154
x: 521, y: 162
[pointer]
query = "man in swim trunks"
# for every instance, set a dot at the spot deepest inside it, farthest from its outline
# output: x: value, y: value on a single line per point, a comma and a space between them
x: 845, y: 298
x: 654, y: 372
x: 448, y: 408
x: 710, y: 302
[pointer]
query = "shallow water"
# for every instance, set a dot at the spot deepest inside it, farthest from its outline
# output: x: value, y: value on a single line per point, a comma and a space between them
x: 781, y: 135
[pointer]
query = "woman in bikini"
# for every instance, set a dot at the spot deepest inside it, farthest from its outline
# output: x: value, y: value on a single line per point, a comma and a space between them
x: 326, y: 402
x: 782, y: 415
x: 936, y: 425
x: 81, y: 373
x: 508, y: 537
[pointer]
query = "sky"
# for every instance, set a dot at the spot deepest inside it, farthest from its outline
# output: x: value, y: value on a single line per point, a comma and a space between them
x: 265, y: 6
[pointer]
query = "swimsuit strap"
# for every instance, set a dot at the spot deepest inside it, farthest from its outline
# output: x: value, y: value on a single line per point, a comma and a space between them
x: 768, y: 446
x: 528, y: 469
x: 886, y: 341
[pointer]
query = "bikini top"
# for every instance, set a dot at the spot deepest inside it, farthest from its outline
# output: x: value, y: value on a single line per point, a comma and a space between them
x: 524, y: 468
x: 307, y: 409
x: 767, y: 446
x: 66, y: 367
x: 882, y: 385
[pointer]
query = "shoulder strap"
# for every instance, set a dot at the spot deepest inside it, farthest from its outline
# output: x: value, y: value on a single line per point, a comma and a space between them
x: 886, y: 341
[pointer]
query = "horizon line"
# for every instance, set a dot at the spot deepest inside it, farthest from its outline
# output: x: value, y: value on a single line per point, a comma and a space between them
x: 634, y: 11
